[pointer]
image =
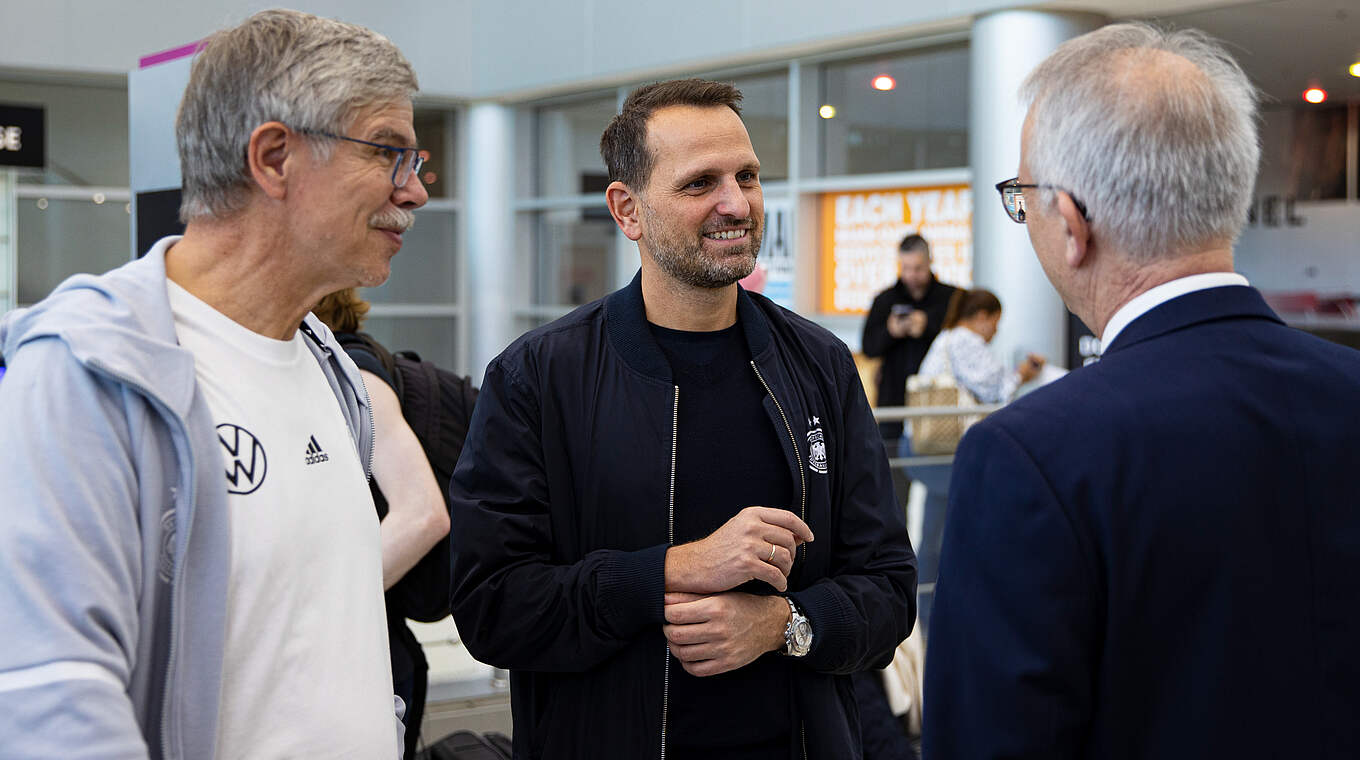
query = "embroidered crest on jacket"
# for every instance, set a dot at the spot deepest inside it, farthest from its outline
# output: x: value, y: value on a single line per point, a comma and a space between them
x: 816, y: 446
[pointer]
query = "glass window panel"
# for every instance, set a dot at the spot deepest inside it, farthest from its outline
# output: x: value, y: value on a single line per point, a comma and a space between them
x: 434, y: 338
x: 58, y: 238
x: 1303, y: 153
x: 921, y: 123
x: 1317, y: 157
x: 568, y: 147
x: 765, y: 109
x: 573, y: 255
x: 436, y: 131
x: 87, y: 132
x: 425, y: 270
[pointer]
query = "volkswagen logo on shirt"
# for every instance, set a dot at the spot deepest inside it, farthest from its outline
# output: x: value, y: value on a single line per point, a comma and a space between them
x: 245, y: 459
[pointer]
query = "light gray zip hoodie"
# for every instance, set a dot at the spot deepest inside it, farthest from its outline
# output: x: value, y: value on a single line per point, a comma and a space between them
x: 114, y: 534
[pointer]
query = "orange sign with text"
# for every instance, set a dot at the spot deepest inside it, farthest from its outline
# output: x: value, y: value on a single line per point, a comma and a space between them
x: 861, y: 231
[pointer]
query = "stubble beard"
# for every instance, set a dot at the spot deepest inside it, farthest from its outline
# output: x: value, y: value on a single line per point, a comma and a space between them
x: 685, y: 261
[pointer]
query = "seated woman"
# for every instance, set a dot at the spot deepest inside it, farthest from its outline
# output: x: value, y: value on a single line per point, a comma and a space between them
x: 961, y: 350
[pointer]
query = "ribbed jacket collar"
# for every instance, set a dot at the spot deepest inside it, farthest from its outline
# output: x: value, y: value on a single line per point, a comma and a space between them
x: 625, y: 317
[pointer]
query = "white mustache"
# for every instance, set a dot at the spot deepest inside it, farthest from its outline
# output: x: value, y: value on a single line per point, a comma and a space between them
x: 393, y: 219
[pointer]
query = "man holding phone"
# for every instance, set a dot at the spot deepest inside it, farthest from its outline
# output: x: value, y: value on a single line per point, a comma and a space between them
x: 902, y: 322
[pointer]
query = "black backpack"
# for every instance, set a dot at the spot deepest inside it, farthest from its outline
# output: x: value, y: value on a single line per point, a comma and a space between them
x: 437, y: 404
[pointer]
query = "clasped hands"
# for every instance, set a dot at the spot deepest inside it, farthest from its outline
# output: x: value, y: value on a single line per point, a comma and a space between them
x: 711, y: 628
x: 909, y: 325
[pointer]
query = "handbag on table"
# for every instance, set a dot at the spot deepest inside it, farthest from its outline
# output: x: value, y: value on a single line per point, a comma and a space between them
x: 939, y: 435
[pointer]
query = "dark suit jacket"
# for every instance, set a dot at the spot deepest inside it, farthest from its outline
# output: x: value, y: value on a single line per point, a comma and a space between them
x: 1159, y: 555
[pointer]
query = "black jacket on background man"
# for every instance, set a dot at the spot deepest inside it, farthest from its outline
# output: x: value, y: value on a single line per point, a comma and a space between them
x: 561, y: 512
x: 902, y: 356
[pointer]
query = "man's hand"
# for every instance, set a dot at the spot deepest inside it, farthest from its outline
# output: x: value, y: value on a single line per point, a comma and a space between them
x: 756, y: 544
x: 897, y: 325
x: 912, y: 324
x: 916, y: 323
x: 715, y: 634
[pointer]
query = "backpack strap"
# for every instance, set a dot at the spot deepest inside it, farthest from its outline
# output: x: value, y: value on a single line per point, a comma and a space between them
x: 365, y: 343
x: 431, y: 420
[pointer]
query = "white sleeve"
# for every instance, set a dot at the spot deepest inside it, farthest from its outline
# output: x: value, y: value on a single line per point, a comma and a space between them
x: 978, y: 370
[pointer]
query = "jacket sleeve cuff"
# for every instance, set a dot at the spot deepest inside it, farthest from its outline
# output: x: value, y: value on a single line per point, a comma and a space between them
x: 833, y: 626
x: 633, y: 588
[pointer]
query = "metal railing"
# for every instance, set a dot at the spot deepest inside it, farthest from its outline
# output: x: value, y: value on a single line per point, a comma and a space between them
x: 903, y: 413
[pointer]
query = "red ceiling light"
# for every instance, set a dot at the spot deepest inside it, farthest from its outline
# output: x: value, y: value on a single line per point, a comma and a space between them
x: 1314, y: 94
x: 883, y: 82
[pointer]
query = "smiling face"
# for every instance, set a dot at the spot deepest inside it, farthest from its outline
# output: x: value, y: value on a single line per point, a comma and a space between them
x: 348, y: 212
x: 702, y: 212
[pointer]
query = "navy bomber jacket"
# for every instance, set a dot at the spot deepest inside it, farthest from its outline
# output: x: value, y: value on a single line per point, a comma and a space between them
x: 561, y: 503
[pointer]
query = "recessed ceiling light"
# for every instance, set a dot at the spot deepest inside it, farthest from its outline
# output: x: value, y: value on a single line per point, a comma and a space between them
x: 827, y: 111
x: 1314, y: 94
x: 884, y: 82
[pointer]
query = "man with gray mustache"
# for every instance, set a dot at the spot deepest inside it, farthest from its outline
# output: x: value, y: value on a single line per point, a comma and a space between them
x: 191, y: 556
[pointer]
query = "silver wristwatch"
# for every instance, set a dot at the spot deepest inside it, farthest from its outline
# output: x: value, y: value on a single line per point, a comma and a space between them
x: 797, y: 634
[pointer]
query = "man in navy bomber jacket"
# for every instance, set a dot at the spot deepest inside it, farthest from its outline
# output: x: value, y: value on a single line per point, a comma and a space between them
x: 673, y: 521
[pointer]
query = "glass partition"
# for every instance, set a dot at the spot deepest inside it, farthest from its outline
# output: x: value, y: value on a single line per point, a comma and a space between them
x: 899, y: 112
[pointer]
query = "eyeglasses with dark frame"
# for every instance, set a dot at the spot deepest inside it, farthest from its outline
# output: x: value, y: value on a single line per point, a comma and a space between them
x: 1013, y: 198
x: 409, y: 160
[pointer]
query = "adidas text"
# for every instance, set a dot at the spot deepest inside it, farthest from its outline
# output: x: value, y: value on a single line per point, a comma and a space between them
x: 314, y: 453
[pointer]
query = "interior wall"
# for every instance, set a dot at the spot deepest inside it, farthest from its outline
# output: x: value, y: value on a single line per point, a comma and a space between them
x: 1298, y: 245
x: 513, y: 49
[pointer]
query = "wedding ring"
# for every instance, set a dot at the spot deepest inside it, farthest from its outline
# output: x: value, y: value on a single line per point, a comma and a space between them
x: 771, y: 558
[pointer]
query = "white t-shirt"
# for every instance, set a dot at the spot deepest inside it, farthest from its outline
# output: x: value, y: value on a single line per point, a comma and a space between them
x: 306, y: 670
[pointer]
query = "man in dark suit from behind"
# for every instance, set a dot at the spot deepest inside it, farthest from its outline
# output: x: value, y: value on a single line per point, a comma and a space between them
x: 1157, y: 555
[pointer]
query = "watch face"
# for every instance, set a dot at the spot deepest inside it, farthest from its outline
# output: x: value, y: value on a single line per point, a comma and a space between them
x: 802, y: 635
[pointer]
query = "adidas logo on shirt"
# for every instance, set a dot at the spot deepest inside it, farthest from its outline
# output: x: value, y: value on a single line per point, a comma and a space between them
x: 314, y: 453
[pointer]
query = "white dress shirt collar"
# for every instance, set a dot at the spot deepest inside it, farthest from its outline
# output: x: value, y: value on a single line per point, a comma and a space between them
x: 1154, y: 297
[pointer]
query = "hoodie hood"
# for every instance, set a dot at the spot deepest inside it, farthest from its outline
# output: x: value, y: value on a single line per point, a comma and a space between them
x: 89, y: 313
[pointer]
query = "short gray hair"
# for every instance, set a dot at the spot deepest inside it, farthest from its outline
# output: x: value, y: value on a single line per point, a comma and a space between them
x: 1164, y: 159
x: 307, y: 72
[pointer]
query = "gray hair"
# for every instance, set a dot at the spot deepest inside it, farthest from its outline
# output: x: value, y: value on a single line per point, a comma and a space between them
x: 307, y: 72
x: 1163, y: 156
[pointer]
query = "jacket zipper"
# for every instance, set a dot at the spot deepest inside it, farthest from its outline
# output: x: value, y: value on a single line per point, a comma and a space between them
x: 802, y: 476
x: 368, y: 400
x: 670, y: 536
x: 670, y: 541
x: 372, y: 426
